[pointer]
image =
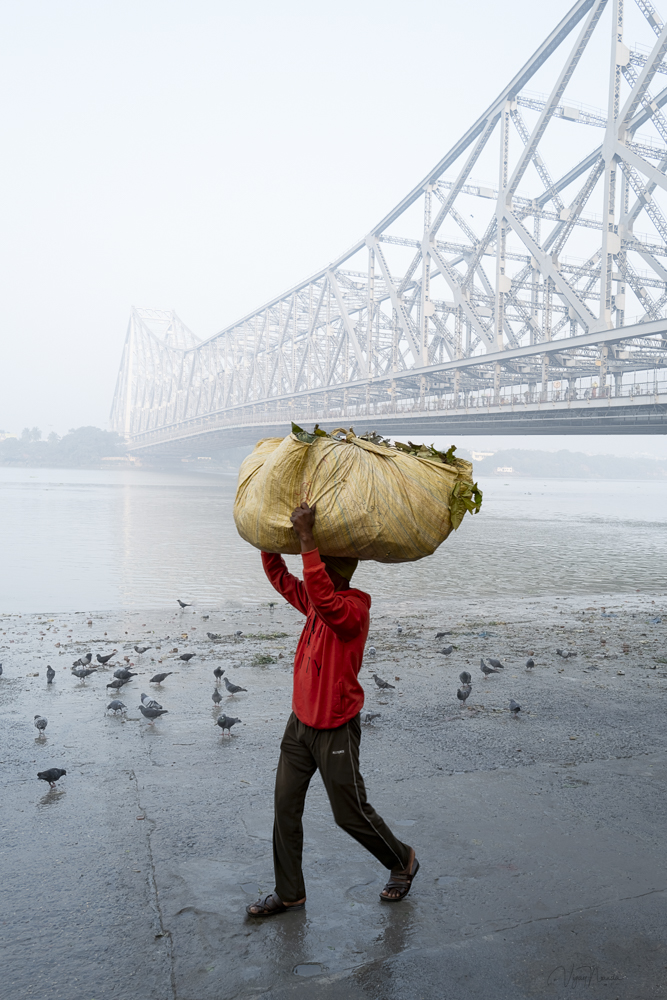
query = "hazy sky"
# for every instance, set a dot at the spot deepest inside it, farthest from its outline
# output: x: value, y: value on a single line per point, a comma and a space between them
x: 204, y: 156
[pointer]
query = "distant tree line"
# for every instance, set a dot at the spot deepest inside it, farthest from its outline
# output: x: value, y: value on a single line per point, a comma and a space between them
x: 82, y: 446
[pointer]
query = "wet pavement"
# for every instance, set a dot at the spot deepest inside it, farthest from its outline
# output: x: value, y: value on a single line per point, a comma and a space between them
x: 541, y: 838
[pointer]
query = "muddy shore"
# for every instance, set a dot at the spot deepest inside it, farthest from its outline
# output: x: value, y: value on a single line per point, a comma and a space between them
x: 541, y: 838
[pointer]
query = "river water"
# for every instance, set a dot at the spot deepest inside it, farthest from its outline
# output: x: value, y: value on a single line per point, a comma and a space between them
x: 85, y: 540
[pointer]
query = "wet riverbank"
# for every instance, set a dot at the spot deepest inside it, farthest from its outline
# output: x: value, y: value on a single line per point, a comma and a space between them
x: 539, y: 837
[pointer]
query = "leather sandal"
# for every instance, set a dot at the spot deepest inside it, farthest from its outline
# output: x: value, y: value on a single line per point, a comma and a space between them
x: 401, y: 881
x: 270, y: 905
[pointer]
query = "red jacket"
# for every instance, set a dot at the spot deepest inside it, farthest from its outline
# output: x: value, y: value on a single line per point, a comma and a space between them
x: 328, y: 658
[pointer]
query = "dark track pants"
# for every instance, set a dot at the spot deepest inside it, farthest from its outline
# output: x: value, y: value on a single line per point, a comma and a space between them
x: 335, y: 752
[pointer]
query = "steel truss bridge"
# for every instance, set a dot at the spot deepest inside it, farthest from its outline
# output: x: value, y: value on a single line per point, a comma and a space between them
x: 521, y: 287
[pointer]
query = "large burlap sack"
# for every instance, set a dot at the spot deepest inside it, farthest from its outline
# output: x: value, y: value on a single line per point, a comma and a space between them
x: 373, y: 501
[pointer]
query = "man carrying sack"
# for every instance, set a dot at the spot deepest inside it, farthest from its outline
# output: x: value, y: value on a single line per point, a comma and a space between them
x: 323, y: 732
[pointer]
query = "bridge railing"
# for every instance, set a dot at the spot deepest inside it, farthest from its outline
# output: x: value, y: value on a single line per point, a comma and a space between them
x: 312, y: 411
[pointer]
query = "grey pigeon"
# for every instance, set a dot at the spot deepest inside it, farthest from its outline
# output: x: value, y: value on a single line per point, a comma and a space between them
x: 530, y: 663
x: 463, y: 693
x: 52, y: 775
x: 372, y: 650
x: 447, y: 650
x: 83, y: 672
x: 117, y: 684
x: 565, y: 653
x: 183, y: 604
x: 238, y: 632
x: 465, y: 677
x: 399, y: 629
x: 123, y: 674
x: 40, y: 723
x: 213, y: 636
x: 233, y: 688
x: 105, y: 659
x: 216, y: 696
x: 226, y: 722
x: 142, y: 649
x: 161, y: 677
x: 116, y: 706
x: 441, y: 635
x: 515, y: 707
x: 50, y: 674
x: 487, y: 670
x: 152, y: 713
x: 367, y: 716
x: 496, y: 663
x: 382, y: 684
x: 217, y: 673
x: 186, y: 657
x: 85, y: 660
x: 150, y: 702
x: 206, y: 617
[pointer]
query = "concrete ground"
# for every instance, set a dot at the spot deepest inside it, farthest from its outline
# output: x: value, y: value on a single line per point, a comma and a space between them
x: 541, y: 838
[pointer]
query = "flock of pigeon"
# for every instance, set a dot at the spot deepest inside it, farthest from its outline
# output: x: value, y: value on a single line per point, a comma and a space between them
x: 152, y: 709
x: 149, y: 707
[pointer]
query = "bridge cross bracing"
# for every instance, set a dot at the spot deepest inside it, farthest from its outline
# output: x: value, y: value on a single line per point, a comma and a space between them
x: 521, y: 286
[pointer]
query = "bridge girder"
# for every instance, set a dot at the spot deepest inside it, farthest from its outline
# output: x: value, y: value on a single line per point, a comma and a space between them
x: 468, y: 298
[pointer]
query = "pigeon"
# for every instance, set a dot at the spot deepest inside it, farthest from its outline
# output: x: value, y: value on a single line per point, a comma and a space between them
x: 447, y: 650
x: 217, y: 697
x: 465, y: 677
x: 217, y: 673
x: 50, y: 674
x: 150, y: 702
x: 213, y: 636
x: 382, y: 684
x: 238, y: 632
x: 233, y: 688
x: 654, y: 621
x: 226, y: 722
x: 565, y: 653
x: 399, y: 629
x: 161, y: 677
x: 116, y: 706
x: 52, y: 775
x: 463, y: 693
x: 205, y: 617
x: 40, y: 723
x: 183, y: 604
x: 487, y: 670
x: 123, y: 674
x: 530, y: 663
x: 152, y: 713
x: 142, y: 649
x: 83, y: 661
x: 515, y: 707
x: 496, y: 663
x: 372, y: 650
x: 186, y: 657
x: 117, y: 684
x: 83, y: 672
x: 441, y: 635
x: 367, y: 716
x: 105, y: 659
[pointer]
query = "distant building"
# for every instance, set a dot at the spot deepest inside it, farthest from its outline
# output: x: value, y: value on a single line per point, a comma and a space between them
x: 504, y: 468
